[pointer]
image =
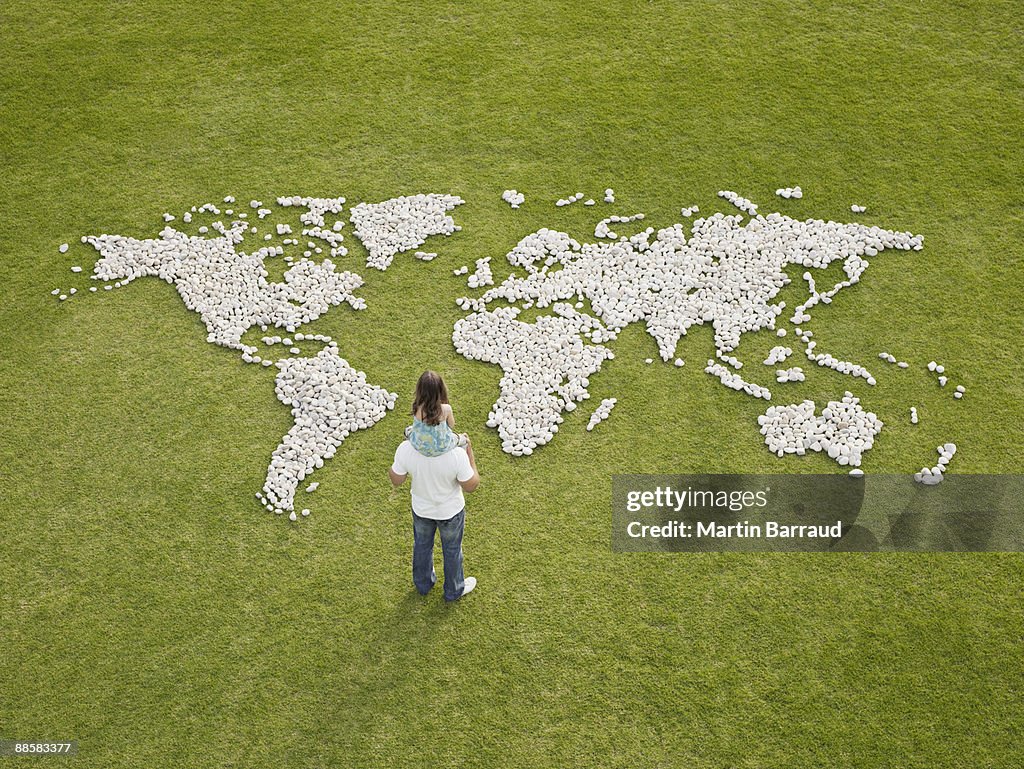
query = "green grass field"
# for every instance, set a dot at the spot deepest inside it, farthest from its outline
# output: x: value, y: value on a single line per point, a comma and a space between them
x: 151, y: 610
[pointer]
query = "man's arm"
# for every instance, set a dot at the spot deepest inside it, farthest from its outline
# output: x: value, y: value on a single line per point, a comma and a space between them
x: 474, y: 481
x: 397, y: 478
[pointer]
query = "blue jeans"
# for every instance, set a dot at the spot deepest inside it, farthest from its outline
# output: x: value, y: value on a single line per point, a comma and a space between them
x: 423, y: 575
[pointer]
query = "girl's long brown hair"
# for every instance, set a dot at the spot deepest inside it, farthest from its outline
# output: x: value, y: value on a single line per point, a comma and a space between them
x: 430, y: 394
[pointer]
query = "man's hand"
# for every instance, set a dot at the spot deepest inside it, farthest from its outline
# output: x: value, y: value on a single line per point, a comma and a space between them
x: 396, y: 479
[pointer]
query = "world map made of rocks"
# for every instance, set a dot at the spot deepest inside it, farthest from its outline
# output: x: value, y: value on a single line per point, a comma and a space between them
x: 726, y: 273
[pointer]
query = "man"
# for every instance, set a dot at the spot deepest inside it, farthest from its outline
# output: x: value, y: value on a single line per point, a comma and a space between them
x: 438, y: 505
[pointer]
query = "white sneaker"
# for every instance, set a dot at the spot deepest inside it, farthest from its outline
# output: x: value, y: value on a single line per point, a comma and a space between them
x: 470, y: 583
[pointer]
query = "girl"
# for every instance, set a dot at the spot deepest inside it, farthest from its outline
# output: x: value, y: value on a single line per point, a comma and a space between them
x: 431, y: 432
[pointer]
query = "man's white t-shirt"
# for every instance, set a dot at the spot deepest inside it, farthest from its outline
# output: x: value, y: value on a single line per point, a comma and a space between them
x: 436, y: 492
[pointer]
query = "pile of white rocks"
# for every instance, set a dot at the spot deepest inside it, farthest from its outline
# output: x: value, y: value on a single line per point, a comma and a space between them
x: 330, y: 400
x: 858, y: 209
x: 853, y: 266
x: 913, y: 415
x: 931, y: 476
x: 482, y: 276
x: 732, y: 360
x: 792, y: 374
x: 546, y: 369
x: 569, y: 200
x: 332, y: 238
x: 426, y: 256
x: 315, y: 208
x: 601, y: 413
x: 736, y: 382
x: 790, y: 192
x: 545, y: 247
x: 513, y: 198
x: 777, y: 355
x: 609, y: 195
x: 842, y: 366
x: 590, y: 327
x: 725, y: 274
x: 228, y: 288
x: 230, y: 291
x: 747, y: 206
x: 602, y: 229
x: 844, y: 430
x: 402, y: 224
x: 689, y: 210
